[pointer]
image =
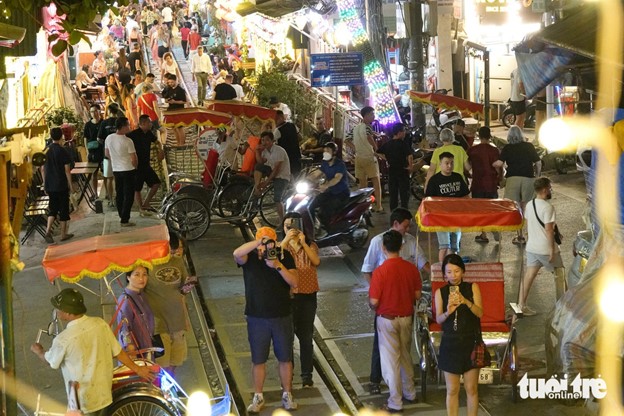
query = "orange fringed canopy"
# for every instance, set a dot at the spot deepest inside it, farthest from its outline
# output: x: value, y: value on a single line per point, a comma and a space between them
x: 242, y: 109
x: 468, y: 214
x: 96, y: 257
x: 447, y: 102
x: 196, y: 117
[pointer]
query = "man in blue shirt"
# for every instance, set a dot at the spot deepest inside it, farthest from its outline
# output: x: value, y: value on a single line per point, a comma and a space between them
x: 335, y: 191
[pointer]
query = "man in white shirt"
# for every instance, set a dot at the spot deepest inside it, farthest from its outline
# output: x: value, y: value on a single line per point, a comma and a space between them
x: 122, y: 154
x: 274, y: 166
x: 201, y: 68
x: 167, y: 15
x: 276, y: 104
x: 541, y: 249
x: 400, y: 220
x: 84, y: 352
x: 366, y: 165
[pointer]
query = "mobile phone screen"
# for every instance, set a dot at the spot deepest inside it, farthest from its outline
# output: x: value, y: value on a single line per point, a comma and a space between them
x: 454, y: 289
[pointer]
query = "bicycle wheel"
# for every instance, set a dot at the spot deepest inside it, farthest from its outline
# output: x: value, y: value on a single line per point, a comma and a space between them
x: 141, y: 405
x: 233, y: 198
x: 189, y: 217
x: 425, y: 362
x: 268, y: 211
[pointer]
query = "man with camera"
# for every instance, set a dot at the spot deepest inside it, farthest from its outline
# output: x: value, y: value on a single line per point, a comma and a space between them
x: 269, y: 274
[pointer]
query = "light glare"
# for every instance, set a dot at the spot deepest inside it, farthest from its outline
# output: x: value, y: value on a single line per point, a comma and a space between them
x: 198, y: 404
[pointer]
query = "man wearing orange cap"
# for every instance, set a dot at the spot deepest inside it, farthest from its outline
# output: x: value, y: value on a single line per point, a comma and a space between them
x: 269, y: 275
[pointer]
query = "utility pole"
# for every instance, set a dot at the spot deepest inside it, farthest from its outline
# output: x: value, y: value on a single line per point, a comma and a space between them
x: 415, y: 64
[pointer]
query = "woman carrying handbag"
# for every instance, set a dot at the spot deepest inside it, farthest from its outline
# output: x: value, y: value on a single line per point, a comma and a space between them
x: 458, y: 311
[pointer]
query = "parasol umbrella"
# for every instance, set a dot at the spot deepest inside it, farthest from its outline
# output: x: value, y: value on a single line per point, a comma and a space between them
x: 98, y: 256
x: 468, y: 214
x: 196, y: 117
x: 242, y: 109
x: 447, y: 102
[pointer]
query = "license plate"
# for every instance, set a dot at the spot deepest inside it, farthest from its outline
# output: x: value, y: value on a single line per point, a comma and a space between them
x: 486, y: 376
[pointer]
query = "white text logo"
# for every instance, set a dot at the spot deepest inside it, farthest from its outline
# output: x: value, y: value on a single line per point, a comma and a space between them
x: 560, y: 388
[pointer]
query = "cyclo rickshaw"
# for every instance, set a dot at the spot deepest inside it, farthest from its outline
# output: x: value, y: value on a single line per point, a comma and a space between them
x: 106, y: 257
x: 499, y: 334
x: 221, y: 194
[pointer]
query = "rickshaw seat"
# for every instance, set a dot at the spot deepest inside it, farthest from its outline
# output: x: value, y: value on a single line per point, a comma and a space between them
x: 491, y: 281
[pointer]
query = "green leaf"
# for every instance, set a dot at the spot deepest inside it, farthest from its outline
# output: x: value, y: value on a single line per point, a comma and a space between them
x: 53, y: 37
x: 59, y: 47
x: 74, y: 37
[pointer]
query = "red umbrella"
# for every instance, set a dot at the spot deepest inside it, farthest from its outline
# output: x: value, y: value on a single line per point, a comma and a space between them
x: 196, y: 117
x: 242, y: 109
x: 447, y: 102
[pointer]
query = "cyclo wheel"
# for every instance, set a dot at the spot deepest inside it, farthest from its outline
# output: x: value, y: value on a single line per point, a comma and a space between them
x: 141, y: 405
x: 425, y: 362
x: 189, y: 217
x: 233, y: 198
x: 268, y: 211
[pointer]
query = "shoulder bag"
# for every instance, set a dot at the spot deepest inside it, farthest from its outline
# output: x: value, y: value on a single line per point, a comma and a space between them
x: 157, y: 341
x: 557, y: 234
x: 480, y: 356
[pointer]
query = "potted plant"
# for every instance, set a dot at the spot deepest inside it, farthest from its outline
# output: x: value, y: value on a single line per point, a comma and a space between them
x: 67, y: 119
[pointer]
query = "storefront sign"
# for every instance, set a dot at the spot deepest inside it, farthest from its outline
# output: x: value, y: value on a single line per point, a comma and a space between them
x: 496, y: 12
x: 337, y: 69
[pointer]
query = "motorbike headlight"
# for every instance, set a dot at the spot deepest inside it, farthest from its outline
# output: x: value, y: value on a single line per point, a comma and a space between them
x: 302, y: 187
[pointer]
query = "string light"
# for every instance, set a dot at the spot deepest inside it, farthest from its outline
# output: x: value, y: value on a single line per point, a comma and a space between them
x: 374, y: 73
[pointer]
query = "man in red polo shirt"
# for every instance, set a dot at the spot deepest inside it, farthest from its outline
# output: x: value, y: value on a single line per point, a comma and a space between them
x: 394, y: 289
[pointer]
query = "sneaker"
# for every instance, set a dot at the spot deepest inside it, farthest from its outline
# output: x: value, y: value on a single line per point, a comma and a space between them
x: 145, y: 213
x: 307, y: 382
x: 257, y: 403
x: 526, y: 311
x: 287, y: 401
x: 519, y: 241
x: 374, y: 388
x: 128, y: 224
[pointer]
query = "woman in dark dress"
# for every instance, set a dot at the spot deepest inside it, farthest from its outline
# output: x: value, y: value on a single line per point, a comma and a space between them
x: 458, y: 309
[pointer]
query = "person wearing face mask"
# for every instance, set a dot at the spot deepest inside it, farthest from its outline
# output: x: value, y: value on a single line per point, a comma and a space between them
x: 542, y: 249
x: 334, y: 192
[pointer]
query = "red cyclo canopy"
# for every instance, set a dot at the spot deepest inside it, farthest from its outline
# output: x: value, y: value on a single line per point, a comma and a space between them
x: 447, y: 102
x: 195, y: 117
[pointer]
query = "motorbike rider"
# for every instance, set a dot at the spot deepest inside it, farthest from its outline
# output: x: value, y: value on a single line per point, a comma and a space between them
x: 334, y: 192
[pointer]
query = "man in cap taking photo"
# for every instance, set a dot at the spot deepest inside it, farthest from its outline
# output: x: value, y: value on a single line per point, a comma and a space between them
x: 269, y: 275
x: 84, y: 352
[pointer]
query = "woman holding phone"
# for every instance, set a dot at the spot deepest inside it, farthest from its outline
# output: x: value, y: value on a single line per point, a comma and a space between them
x: 305, y: 253
x: 458, y: 309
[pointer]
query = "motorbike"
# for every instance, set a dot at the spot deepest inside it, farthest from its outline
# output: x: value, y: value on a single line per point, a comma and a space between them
x: 422, y: 160
x: 509, y: 118
x: 350, y: 224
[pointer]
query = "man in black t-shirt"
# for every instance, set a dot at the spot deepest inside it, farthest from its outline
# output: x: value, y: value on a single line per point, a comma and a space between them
x: 447, y: 183
x: 268, y: 310
x: 287, y: 136
x: 322, y: 137
x: 176, y: 97
x: 400, y: 161
x: 143, y: 137
x: 225, y: 90
x: 135, y: 59
x: 57, y: 184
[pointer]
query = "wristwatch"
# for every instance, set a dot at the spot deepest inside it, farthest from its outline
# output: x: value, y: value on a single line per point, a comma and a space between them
x: 278, y: 268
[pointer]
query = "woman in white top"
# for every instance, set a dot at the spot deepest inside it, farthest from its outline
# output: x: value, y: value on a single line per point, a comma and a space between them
x: 169, y: 66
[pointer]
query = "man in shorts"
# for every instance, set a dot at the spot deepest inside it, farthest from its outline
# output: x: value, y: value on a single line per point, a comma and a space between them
x: 143, y: 137
x: 272, y: 165
x: 518, y: 100
x: 57, y: 184
x: 541, y: 248
x: 268, y: 282
x: 108, y: 127
x: 366, y: 165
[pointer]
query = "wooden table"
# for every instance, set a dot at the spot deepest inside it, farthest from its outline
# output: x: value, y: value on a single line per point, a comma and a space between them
x: 84, y: 175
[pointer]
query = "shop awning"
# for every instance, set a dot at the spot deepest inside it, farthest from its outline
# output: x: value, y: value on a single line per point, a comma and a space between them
x: 273, y: 8
x: 447, y: 102
x: 468, y: 214
x: 96, y: 257
x: 575, y: 33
